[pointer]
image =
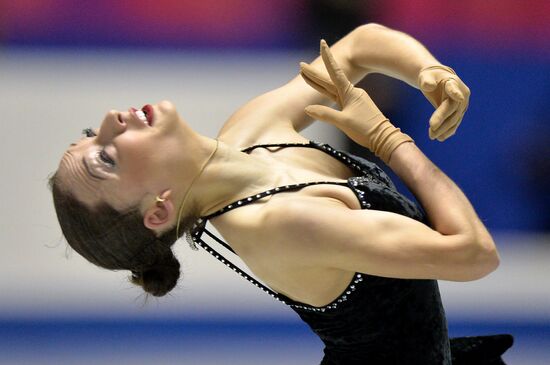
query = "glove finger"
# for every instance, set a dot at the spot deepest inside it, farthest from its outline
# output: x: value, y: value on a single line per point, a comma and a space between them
x: 323, y: 81
x: 464, y: 105
x: 427, y: 81
x: 452, y: 89
x: 447, y: 125
x: 317, y: 76
x: 459, y: 114
x: 336, y: 74
x: 324, y: 113
x: 447, y: 107
x: 466, y: 92
x: 330, y: 93
x: 450, y: 132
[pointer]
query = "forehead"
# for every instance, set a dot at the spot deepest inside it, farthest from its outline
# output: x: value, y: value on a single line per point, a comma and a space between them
x: 74, y: 178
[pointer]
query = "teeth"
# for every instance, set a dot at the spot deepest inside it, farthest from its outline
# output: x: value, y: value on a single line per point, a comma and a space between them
x: 141, y: 116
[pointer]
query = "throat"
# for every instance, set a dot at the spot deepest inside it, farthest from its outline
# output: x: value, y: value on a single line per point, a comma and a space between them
x: 234, y: 175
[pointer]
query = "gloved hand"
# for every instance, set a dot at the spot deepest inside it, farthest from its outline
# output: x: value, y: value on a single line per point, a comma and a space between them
x: 360, y: 118
x: 448, y: 94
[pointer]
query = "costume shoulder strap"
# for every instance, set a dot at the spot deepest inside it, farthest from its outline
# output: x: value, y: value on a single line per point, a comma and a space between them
x: 196, y: 240
x: 280, y: 145
x: 279, y: 189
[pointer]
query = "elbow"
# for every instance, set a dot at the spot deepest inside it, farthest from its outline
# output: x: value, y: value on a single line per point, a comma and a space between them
x: 482, y: 260
x: 361, y: 35
x: 469, y: 260
x: 491, y: 260
x: 366, y: 31
x: 371, y: 26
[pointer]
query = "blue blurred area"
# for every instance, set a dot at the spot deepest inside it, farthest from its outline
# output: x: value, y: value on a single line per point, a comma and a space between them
x: 202, y: 342
x: 499, y: 155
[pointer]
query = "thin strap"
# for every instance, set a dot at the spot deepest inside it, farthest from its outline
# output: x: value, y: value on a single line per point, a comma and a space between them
x: 213, y: 236
x: 339, y: 155
x: 279, y: 189
x: 358, y: 278
x: 223, y: 260
x: 282, y: 145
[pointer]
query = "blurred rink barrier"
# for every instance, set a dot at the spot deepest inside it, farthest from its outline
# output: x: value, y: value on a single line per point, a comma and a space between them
x: 63, y: 66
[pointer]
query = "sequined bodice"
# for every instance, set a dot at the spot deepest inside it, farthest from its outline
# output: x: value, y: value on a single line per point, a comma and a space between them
x: 375, y: 320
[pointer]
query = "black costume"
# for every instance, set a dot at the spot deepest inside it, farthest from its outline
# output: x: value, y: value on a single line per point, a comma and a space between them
x: 376, y: 320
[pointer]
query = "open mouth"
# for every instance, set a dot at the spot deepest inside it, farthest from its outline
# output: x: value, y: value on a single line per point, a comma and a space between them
x: 145, y: 115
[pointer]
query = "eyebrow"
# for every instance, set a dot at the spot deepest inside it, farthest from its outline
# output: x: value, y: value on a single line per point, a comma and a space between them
x: 89, y: 171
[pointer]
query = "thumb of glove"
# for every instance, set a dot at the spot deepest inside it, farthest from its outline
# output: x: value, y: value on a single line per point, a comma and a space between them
x: 324, y: 113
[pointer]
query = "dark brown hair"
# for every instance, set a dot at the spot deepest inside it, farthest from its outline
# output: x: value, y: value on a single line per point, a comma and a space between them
x: 119, y: 240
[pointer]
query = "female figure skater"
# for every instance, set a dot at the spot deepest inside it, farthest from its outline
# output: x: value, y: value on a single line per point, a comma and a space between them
x: 325, y: 230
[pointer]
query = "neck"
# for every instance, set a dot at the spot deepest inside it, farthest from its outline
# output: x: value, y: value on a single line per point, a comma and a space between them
x: 229, y: 176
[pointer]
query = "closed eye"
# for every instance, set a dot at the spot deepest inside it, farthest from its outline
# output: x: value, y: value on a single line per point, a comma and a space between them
x: 105, y: 158
x: 101, y: 154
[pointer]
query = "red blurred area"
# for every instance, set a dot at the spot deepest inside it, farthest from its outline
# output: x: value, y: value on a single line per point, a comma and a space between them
x: 208, y: 22
x: 497, y: 24
x: 483, y: 24
x: 208, y: 19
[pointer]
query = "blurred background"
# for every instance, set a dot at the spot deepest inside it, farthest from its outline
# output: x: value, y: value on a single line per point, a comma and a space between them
x: 64, y: 64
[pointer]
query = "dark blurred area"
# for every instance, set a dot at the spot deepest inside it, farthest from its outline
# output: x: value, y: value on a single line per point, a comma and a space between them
x: 500, y: 154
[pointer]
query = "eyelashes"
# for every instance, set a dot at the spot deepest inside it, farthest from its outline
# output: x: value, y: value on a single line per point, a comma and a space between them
x: 88, y: 132
x: 105, y: 158
x: 102, y: 156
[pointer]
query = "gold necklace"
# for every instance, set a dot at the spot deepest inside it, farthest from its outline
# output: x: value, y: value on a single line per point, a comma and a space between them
x: 180, y: 211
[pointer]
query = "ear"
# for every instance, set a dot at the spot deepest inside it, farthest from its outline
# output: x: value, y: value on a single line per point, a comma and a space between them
x: 159, y: 215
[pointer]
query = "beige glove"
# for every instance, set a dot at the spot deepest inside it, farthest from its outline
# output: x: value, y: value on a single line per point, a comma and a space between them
x: 360, y: 118
x: 448, y: 94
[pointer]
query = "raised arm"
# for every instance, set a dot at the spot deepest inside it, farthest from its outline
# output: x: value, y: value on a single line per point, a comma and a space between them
x: 367, y: 49
x: 457, y: 246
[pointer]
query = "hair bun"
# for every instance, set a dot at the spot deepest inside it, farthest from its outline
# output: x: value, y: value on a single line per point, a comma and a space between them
x: 159, y: 278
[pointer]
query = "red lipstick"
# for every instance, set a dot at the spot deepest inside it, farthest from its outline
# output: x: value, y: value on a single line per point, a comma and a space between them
x: 149, y: 113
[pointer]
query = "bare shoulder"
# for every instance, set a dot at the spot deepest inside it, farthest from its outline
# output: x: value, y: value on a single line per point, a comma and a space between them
x: 299, y: 225
x: 278, y: 254
x: 284, y: 227
x: 246, y: 133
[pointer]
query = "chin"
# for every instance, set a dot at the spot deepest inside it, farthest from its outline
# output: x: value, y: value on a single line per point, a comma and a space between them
x: 169, y: 116
x: 166, y: 106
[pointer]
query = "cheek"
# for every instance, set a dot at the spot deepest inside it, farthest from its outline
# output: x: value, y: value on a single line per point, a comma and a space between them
x: 137, y: 159
x: 146, y: 159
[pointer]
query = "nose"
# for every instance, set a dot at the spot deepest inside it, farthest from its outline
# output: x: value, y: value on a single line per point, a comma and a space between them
x: 113, y: 124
